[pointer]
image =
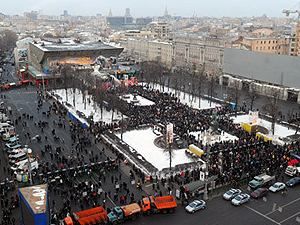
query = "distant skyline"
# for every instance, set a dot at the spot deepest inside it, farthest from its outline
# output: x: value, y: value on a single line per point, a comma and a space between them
x: 142, y: 8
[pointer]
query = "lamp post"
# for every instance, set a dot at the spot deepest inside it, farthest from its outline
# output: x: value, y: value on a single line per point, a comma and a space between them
x: 28, y: 151
x: 205, y: 195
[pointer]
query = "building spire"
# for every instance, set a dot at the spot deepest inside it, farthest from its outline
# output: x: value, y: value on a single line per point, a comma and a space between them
x: 166, y: 14
x: 110, y: 13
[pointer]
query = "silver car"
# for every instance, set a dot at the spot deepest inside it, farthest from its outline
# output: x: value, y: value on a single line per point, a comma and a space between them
x: 240, y: 199
x: 195, y: 206
x: 231, y: 193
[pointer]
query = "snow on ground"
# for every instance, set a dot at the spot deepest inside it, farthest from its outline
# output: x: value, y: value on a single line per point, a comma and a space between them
x: 280, y: 131
x: 143, y: 142
x: 91, y: 107
x: 141, y: 101
x: 213, y: 138
x: 186, y: 98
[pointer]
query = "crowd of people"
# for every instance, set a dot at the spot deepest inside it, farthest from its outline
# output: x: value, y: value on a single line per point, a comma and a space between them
x: 230, y: 161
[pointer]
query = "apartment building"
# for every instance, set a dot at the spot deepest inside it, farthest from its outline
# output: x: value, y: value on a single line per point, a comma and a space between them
x: 272, y: 45
x: 151, y: 50
x: 179, y: 52
x: 295, y: 42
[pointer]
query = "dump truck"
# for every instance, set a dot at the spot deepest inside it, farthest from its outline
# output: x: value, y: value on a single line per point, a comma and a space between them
x: 93, y: 216
x: 260, y: 181
x: 122, y: 213
x: 161, y: 204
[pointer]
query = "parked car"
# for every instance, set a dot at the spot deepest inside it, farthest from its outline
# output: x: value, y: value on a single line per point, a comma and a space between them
x: 259, y: 193
x: 278, y: 186
x: 293, y: 182
x: 240, y: 199
x: 195, y: 206
x: 231, y: 193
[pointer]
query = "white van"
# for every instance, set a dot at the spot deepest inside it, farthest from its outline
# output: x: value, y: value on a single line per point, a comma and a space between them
x: 15, y: 152
x: 17, y: 158
x: 23, y: 164
x: 33, y: 166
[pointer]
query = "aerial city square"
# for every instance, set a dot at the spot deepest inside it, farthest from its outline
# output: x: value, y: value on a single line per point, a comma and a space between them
x: 150, y: 113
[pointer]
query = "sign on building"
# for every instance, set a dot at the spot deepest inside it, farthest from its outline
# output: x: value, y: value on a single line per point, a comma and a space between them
x: 169, y: 133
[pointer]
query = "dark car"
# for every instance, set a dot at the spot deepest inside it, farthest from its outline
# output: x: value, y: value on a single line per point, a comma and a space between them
x: 259, y: 193
x: 293, y: 182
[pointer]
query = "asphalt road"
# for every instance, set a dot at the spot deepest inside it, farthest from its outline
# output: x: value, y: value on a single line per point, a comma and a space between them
x: 221, y: 212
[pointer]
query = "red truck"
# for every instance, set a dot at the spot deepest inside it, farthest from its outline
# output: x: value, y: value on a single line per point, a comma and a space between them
x: 93, y: 216
x: 160, y: 204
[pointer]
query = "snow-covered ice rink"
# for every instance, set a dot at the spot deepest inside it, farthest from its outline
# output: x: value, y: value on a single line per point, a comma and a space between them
x: 280, y: 130
x: 142, y: 141
x: 91, y: 107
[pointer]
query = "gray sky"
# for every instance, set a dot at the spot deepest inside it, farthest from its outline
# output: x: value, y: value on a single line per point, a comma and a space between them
x: 139, y: 8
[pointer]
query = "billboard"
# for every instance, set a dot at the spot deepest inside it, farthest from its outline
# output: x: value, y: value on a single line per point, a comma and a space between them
x: 34, y: 205
x: 169, y: 133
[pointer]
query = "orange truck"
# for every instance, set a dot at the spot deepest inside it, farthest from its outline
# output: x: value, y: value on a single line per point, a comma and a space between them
x: 121, y: 213
x: 160, y: 204
x: 93, y: 216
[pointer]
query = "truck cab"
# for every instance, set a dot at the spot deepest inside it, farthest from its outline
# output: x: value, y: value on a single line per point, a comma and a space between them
x: 260, y: 181
x: 293, y: 170
x: 116, y: 215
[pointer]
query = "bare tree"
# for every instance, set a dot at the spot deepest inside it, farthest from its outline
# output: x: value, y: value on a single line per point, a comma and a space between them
x: 272, y: 108
x: 252, y: 96
x: 8, y: 40
x: 235, y: 95
x: 66, y: 73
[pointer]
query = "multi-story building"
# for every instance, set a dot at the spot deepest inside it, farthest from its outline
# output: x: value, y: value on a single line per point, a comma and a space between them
x: 192, y: 51
x: 273, y: 45
x: 151, y: 50
x: 179, y: 52
x: 160, y: 29
x: 295, y: 42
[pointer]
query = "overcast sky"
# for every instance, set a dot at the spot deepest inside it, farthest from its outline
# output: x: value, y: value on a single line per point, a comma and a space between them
x: 218, y: 8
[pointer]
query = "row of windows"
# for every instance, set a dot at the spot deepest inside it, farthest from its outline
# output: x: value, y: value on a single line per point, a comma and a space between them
x: 265, y: 42
x: 269, y: 48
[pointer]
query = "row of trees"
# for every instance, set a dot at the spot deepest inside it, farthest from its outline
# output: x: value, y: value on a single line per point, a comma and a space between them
x: 197, y: 83
x: 8, y: 40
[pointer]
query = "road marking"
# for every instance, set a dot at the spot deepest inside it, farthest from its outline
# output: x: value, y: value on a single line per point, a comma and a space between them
x: 296, y: 214
x: 292, y: 202
x: 259, y: 213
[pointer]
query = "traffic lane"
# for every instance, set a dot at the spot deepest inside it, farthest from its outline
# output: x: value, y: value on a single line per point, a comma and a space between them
x: 218, y: 212
x: 274, y: 200
x: 286, y: 212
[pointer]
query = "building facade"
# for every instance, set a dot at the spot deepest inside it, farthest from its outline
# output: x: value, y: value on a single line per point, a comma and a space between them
x: 180, y: 52
x: 272, y: 45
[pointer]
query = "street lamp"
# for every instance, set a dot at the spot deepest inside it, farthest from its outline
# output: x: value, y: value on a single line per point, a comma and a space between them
x: 205, y: 195
x: 28, y: 151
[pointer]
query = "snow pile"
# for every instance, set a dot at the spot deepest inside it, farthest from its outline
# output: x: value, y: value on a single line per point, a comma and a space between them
x: 91, y: 107
x: 186, y: 98
x: 143, y: 142
x: 280, y: 131
x: 141, y: 101
x: 207, y: 138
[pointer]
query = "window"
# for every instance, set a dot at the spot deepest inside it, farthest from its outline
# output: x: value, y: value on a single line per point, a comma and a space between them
x: 269, y: 42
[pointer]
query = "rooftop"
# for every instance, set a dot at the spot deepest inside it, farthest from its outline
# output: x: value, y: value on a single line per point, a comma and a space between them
x: 36, y: 197
x: 71, y: 45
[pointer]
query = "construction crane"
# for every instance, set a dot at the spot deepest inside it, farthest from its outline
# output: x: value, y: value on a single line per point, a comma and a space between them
x: 288, y: 12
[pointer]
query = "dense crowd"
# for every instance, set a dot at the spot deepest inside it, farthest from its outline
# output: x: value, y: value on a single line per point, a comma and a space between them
x: 230, y: 161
